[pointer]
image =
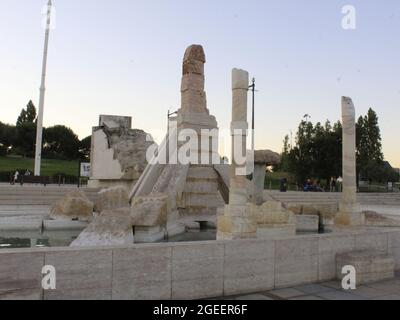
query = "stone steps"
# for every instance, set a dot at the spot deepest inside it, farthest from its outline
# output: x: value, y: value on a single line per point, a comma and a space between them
x: 321, y: 198
x: 24, y: 197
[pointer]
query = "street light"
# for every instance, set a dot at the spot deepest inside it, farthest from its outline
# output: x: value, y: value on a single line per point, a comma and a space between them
x: 253, y: 89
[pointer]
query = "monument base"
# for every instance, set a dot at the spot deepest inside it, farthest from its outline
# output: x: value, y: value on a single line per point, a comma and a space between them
x: 148, y: 234
x: 350, y: 215
x: 237, y: 223
x: 272, y: 231
x: 105, y: 184
x: 350, y: 219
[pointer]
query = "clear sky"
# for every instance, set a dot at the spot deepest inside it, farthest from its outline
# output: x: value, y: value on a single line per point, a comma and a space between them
x: 124, y: 57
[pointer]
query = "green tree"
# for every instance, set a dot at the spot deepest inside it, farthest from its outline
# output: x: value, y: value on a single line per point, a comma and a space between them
x: 26, y: 131
x: 7, y: 137
x: 85, y: 146
x: 318, y: 151
x: 369, y: 146
x: 25, y: 140
x: 27, y: 115
x: 60, y: 142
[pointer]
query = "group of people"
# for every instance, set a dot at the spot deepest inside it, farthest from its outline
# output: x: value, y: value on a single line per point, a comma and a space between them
x: 17, y: 174
x: 335, y: 185
x: 313, y: 186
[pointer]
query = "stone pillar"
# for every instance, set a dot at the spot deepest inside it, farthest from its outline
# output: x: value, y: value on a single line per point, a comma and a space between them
x: 238, y: 222
x: 349, y: 209
x: 258, y: 183
x: 194, y: 114
x: 197, y: 125
x: 192, y: 90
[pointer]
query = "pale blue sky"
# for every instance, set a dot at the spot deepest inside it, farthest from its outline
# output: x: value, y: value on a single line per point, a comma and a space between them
x: 124, y: 57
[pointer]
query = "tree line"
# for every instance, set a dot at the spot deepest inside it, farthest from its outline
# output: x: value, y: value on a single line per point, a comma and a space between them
x: 59, y: 142
x: 317, y: 151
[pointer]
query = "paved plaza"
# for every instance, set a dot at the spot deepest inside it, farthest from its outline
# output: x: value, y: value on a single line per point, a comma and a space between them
x: 385, y: 290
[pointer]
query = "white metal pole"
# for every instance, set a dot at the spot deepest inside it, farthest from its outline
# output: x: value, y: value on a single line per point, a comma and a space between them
x: 39, y: 129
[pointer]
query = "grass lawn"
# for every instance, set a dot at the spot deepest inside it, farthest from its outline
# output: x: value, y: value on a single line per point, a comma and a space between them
x: 49, y: 167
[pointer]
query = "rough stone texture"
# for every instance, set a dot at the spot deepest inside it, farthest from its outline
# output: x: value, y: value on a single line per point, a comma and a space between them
x: 156, y: 214
x: 130, y: 147
x: 118, y: 154
x: 112, y: 198
x: 307, y: 223
x: 112, y: 227
x: 194, y: 53
x: 258, y: 184
x: 75, y: 205
x: 273, y: 220
x: 349, y: 208
x: 272, y: 212
x: 149, y: 211
x: 193, y: 95
x: 267, y: 158
x: 371, y: 266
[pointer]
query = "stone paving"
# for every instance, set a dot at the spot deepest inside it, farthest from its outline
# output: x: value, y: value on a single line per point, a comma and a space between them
x: 385, y: 290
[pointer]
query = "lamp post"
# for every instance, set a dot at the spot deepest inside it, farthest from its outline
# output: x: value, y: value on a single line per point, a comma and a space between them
x: 253, y: 89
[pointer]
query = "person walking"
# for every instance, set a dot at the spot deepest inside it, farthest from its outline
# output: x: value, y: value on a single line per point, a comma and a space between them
x: 16, y: 175
x: 333, y: 184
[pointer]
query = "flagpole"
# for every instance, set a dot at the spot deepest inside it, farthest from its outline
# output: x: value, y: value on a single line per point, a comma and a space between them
x: 39, y: 129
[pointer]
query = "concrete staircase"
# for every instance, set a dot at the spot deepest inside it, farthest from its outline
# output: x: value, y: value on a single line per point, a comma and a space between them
x: 302, y: 198
x: 34, y: 200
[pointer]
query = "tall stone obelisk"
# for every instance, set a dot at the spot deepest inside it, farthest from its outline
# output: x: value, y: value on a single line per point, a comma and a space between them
x: 237, y: 221
x: 194, y: 122
x: 194, y: 114
x: 39, y: 129
x: 349, y: 209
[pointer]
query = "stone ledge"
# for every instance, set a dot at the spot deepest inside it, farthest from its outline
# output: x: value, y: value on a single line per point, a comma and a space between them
x: 371, y: 266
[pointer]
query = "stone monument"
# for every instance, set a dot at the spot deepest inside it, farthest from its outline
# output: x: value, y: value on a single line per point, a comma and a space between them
x: 118, y: 153
x: 238, y: 222
x: 193, y: 193
x: 349, y: 209
x: 200, y: 196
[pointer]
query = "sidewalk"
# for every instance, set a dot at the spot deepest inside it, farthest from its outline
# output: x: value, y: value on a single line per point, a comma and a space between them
x: 385, y: 290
